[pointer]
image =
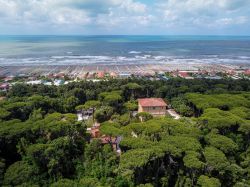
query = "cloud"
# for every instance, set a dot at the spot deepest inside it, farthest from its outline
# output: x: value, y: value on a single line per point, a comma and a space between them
x: 65, y: 11
x: 134, y: 7
x: 204, y: 13
x: 122, y: 16
x: 230, y: 21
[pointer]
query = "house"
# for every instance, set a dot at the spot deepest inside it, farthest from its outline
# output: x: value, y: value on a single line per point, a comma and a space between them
x: 154, y: 106
x: 58, y: 82
x: 100, y: 75
x: 34, y: 82
x: 90, y: 75
x: 184, y: 74
x: 113, y: 75
x: 7, y: 79
x: 95, y: 132
x: 85, y: 114
x: 247, y: 72
x: 4, y: 87
x: 114, y: 141
x: 124, y: 75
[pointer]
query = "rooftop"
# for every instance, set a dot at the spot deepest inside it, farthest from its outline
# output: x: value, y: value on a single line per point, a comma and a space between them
x: 183, y: 74
x: 4, y: 85
x: 152, y: 102
x: 247, y: 72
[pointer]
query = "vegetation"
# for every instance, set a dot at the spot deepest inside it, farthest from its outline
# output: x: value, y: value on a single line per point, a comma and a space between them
x: 43, y: 144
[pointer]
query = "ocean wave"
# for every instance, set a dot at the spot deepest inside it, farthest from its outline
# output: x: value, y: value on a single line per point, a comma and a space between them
x: 134, y: 52
x: 137, y: 59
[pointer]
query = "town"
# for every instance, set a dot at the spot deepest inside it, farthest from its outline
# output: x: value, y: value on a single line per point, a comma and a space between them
x: 60, y: 75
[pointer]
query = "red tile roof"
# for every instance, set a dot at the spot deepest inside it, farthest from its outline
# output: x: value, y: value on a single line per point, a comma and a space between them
x: 4, y: 85
x: 152, y: 102
x: 183, y: 74
x: 100, y: 74
x: 247, y: 72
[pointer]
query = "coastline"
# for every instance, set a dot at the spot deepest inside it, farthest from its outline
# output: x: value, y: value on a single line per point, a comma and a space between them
x: 132, y: 69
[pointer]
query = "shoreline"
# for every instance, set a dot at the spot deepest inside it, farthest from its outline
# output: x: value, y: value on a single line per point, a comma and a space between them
x: 137, y: 69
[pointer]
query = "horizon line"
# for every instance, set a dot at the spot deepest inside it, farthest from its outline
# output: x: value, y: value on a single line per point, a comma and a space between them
x: 181, y: 35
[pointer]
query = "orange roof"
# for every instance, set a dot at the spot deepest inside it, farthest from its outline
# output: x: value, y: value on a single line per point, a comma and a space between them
x: 183, y: 74
x: 152, y: 102
x: 113, y: 74
x: 247, y: 72
x: 100, y: 74
x: 4, y: 85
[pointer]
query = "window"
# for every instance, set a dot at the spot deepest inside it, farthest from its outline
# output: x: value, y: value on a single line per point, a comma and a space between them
x: 153, y: 108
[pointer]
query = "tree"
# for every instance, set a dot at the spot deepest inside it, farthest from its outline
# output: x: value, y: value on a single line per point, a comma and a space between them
x: 227, y: 145
x: 64, y: 183
x: 192, y: 161
x: 131, y: 89
x: 205, y: 181
x: 70, y: 104
x: 111, y: 131
x: 222, y: 120
x: 20, y: 90
x: 103, y: 114
x: 56, y: 157
x: 112, y: 99
x: 45, y: 147
x: 2, y: 170
x: 89, y: 182
x: 79, y: 94
x: 131, y: 105
x: 4, y: 113
x: 144, y: 116
x: 216, y: 159
x: 181, y: 106
x: 19, y: 173
x: 36, y: 115
x: 89, y: 104
x: 19, y: 110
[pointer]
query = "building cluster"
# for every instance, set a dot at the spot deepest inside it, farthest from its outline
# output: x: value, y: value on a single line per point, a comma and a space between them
x: 7, y: 82
x: 157, y: 107
x: 61, y: 78
x: 213, y: 74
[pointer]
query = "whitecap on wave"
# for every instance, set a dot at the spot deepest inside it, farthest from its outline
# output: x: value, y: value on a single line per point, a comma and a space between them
x: 134, y: 52
x: 137, y: 59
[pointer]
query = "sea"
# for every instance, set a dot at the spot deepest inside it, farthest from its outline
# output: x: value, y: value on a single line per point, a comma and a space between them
x: 83, y: 50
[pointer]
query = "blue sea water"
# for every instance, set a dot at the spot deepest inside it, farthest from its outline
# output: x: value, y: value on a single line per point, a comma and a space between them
x: 77, y: 50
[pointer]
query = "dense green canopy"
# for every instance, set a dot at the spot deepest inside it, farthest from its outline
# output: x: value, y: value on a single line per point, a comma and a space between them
x: 43, y: 144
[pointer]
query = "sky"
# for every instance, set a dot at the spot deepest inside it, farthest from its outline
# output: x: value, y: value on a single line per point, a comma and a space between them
x: 125, y: 17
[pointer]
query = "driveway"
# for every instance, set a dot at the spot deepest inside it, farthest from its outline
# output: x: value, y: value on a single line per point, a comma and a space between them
x: 173, y: 114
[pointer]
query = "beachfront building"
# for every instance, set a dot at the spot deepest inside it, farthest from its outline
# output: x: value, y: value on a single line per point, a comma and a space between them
x: 247, y: 72
x: 184, y: 75
x: 154, y: 106
x: 100, y: 75
x: 124, y: 75
x: 113, y: 75
x: 4, y: 87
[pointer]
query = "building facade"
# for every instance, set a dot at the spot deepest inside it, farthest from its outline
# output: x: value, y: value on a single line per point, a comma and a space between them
x: 154, y: 106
